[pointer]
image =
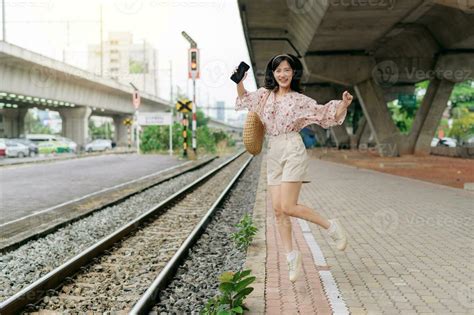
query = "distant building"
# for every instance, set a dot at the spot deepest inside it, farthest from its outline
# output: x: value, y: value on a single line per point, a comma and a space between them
x: 49, y: 118
x: 220, y: 107
x: 126, y: 62
x: 239, y: 120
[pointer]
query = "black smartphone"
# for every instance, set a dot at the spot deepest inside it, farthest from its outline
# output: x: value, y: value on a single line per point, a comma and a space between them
x: 239, y: 74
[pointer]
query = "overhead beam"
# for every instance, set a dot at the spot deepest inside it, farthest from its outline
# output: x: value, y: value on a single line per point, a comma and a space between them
x: 391, y: 71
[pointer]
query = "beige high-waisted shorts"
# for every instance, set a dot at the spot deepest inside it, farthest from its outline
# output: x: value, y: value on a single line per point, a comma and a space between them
x: 287, y: 159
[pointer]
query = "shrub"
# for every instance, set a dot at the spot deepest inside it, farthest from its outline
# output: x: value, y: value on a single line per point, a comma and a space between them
x: 205, y: 139
x: 156, y: 138
x: 244, y: 235
x: 234, y: 288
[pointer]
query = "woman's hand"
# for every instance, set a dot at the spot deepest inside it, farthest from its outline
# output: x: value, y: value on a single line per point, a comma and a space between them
x: 245, y: 75
x: 347, y: 98
x: 240, y: 86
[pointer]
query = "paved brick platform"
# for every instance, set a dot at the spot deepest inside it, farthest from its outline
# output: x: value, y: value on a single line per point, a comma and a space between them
x: 410, y: 250
x: 305, y: 295
x: 411, y: 242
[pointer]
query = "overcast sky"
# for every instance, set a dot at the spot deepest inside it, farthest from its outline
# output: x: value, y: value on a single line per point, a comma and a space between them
x: 40, y: 26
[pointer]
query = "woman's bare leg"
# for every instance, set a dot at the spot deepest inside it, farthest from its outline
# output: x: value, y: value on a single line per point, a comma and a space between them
x: 289, y: 204
x: 282, y: 220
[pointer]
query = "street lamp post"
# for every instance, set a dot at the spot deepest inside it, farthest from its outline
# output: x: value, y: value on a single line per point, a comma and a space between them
x: 194, y: 72
x: 101, y: 43
x: 4, y: 29
x: 170, y: 69
x: 136, y: 104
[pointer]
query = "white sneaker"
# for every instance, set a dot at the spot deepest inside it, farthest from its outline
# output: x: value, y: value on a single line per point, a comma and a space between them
x: 294, y: 266
x: 338, y: 235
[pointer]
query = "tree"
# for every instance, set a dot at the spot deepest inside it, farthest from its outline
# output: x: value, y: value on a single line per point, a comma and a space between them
x: 463, y: 95
x: 104, y: 131
x: 33, y: 125
x: 463, y: 127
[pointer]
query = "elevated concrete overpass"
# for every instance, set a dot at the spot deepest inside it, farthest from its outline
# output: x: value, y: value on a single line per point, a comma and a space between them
x: 28, y: 80
x: 375, y: 48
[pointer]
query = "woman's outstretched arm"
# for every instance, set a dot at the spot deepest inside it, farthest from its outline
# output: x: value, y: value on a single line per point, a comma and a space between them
x: 343, y: 105
x: 240, y: 86
x: 331, y: 114
x: 245, y: 99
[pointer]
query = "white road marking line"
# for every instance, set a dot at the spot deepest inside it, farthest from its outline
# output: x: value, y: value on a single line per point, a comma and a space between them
x: 333, y: 295
x: 318, y: 256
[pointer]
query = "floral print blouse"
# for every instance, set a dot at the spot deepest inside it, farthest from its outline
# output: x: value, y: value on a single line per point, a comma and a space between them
x: 292, y: 112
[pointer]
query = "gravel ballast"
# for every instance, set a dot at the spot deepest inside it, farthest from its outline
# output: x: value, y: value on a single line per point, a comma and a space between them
x: 28, y: 263
x: 215, y: 252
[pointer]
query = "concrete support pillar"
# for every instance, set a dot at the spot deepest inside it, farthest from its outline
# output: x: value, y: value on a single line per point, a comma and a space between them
x: 121, y: 131
x: 320, y: 132
x: 356, y: 137
x: 13, y: 122
x: 427, y: 118
x: 378, y: 117
x: 341, y: 136
x: 366, y: 136
x: 75, y: 124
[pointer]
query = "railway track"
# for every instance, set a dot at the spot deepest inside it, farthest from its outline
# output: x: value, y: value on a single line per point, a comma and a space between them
x: 18, y: 232
x: 128, y: 267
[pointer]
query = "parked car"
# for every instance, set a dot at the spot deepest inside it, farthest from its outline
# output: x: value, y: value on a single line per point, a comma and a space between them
x: 72, y: 145
x: 16, y: 149
x: 32, y: 147
x: 62, y: 147
x: 37, y: 138
x: 99, y: 145
x: 3, y: 148
x: 49, y: 147
x: 447, y: 142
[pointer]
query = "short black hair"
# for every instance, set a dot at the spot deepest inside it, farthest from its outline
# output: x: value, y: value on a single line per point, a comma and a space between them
x: 295, y: 64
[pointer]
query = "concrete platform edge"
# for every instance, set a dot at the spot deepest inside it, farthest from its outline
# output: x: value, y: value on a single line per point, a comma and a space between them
x: 257, y: 251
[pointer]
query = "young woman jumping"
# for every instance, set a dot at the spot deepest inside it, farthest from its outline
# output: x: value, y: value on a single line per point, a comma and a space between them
x: 286, y: 111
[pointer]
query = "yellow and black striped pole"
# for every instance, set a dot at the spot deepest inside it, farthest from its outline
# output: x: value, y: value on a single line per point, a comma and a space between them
x: 185, y: 135
x: 128, y: 122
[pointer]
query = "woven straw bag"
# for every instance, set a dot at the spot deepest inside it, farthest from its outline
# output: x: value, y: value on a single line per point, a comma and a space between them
x: 253, y: 130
